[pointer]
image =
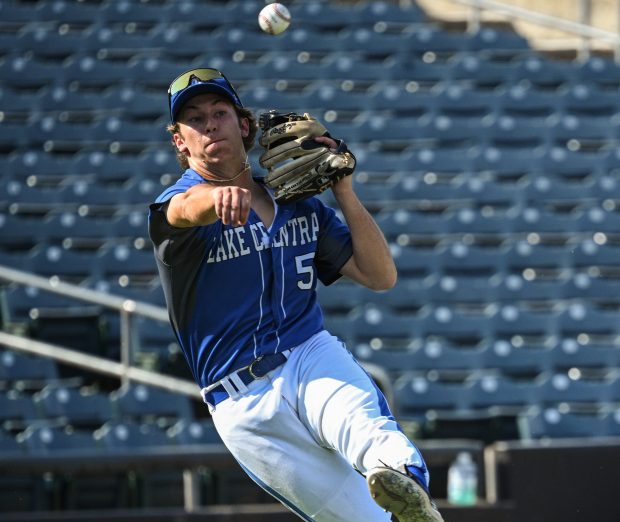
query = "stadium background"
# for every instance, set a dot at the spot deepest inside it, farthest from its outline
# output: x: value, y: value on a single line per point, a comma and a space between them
x: 490, y: 161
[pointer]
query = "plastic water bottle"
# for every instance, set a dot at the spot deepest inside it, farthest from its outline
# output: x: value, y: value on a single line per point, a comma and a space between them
x: 463, y: 480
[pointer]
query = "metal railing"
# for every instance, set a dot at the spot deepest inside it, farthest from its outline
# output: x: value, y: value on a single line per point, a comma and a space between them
x: 128, y: 310
x: 582, y: 29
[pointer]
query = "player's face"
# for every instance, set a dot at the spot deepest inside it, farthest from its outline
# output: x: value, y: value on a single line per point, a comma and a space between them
x: 211, y: 132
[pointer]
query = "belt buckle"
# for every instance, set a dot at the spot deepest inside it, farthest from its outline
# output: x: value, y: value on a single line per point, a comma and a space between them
x: 251, y: 370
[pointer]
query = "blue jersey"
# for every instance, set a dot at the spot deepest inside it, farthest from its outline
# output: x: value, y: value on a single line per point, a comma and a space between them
x: 237, y: 292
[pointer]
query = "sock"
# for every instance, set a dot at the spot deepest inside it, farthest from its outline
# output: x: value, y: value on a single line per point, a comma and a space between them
x: 418, y: 474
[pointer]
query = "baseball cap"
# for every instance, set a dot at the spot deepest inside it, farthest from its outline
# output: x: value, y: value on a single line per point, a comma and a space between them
x: 199, y: 81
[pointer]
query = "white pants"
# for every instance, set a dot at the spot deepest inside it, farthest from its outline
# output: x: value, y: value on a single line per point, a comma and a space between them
x: 309, y: 430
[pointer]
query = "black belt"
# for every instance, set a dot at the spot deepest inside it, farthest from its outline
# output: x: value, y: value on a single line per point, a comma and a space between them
x: 256, y: 370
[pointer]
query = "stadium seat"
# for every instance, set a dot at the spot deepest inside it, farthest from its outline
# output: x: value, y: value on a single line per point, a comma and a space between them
x: 372, y: 321
x: 119, y: 260
x: 457, y: 325
x: 56, y: 261
x: 543, y: 190
x: 324, y: 14
x: 339, y: 297
x: 130, y: 437
x: 512, y: 356
x: 577, y: 352
x: 188, y: 432
x: 415, y: 394
x: 77, y: 327
x: 520, y: 100
x: 461, y: 259
x: 504, y: 131
x: 462, y: 288
x: 587, y: 100
x: 152, y: 489
x: 25, y: 371
x: 414, y: 262
x: 138, y: 402
x: 586, y: 131
x: 567, y: 388
x: 387, y: 12
x: 429, y: 355
x: 555, y: 423
x: 512, y: 320
x: 597, y: 288
x: 497, y: 40
x: 401, y: 221
x: 514, y: 286
x: 588, y: 254
x: 521, y: 256
x: 581, y: 317
x: 466, y: 66
x: 541, y: 71
x: 17, y: 410
x: 156, y: 336
x: 600, y: 70
x: 544, y: 221
x: 75, y: 407
x: 497, y: 391
x: 18, y: 231
x: 48, y: 439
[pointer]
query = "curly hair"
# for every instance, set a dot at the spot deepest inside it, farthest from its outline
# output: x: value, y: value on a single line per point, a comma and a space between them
x: 248, y: 141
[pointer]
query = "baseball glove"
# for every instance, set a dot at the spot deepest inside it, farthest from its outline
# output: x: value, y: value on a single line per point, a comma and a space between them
x: 297, y: 166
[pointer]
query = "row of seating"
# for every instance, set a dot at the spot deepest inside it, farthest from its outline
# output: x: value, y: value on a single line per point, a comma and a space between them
x: 500, y: 355
x: 138, y: 414
x: 430, y: 285
x: 563, y: 266
x: 206, y: 13
x: 58, y: 39
x: 485, y: 321
x: 416, y: 394
x: 430, y: 131
x: 539, y: 423
x: 405, y: 203
x: 104, y: 488
x: 82, y: 409
x: 127, y: 99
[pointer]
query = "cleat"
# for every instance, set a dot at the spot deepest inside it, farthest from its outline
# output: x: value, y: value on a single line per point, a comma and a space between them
x: 401, y: 495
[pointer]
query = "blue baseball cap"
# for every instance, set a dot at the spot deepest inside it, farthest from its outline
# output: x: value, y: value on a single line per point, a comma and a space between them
x: 199, y: 81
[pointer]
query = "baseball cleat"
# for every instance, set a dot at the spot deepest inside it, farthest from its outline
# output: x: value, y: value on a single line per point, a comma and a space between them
x: 401, y: 495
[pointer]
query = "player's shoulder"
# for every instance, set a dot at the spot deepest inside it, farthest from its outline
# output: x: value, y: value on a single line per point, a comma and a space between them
x: 187, y: 180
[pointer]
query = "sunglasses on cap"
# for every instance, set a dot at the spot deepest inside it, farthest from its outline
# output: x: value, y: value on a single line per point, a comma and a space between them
x: 198, y: 81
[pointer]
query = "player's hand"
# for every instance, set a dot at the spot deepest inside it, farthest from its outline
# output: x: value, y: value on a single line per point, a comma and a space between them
x: 345, y: 183
x: 232, y: 204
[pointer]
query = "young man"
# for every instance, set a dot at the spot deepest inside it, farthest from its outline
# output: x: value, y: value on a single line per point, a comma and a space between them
x: 239, y: 273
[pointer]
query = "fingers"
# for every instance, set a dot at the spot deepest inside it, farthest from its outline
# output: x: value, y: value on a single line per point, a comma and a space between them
x: 232, y: 205
x: 328, y: 142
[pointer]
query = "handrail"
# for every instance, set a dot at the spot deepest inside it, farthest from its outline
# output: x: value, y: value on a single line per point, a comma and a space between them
x: 127, y: 308
x: 587, y: 32
x: 100, y: 364
x: 54, y: 284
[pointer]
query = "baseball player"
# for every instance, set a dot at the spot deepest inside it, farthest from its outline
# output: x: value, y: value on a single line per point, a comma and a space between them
x: 239, y: 268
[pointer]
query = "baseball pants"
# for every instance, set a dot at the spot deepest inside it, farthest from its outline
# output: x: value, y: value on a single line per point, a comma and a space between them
x: 309, y: 430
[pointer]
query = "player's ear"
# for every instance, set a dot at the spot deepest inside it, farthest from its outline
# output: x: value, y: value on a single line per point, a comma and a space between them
x: 244, y: 125
x: 179, y: 142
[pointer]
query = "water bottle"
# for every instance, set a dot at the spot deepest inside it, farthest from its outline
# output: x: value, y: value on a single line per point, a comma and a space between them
x: 463, y: 480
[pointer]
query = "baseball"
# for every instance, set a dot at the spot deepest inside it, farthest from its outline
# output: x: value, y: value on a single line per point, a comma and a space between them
x: 274, y: 18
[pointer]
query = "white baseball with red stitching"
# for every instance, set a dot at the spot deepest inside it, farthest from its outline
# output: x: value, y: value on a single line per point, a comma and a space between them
x: 274, y: 18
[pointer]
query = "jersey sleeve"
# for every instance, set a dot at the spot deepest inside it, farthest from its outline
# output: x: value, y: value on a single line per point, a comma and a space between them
x: 334, y: 246
x: 174, y: 246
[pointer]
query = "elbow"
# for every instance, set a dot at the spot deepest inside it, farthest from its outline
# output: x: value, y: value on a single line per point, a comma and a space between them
x: 386, y: 282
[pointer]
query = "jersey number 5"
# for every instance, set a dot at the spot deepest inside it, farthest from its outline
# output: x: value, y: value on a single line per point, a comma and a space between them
x: 305, y: 270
